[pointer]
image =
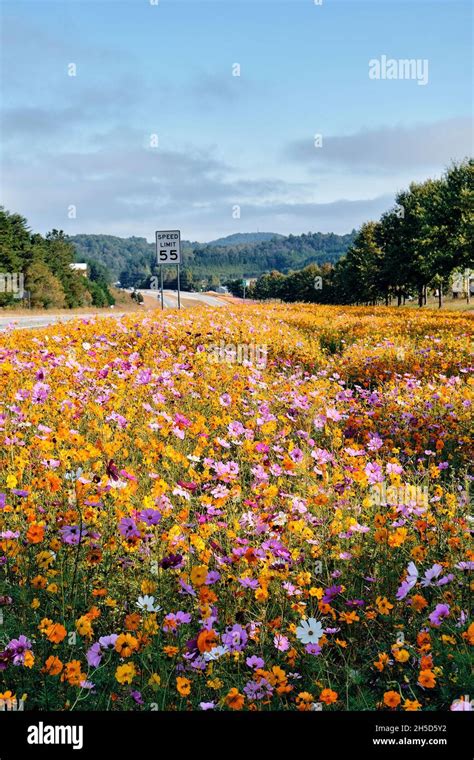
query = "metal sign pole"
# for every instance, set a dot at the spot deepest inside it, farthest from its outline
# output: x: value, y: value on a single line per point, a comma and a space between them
x: 161, y: 287
x: 179, y: 289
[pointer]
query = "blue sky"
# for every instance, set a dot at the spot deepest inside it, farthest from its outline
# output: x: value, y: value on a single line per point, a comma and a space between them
x: 225, y: 141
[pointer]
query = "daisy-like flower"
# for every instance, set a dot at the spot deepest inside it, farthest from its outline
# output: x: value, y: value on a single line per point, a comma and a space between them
x: 147, y: 604
x: 215, y: 653
x: 309, y: 631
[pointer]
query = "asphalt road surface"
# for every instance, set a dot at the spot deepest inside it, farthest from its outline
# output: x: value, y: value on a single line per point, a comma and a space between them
x: 170, y: 298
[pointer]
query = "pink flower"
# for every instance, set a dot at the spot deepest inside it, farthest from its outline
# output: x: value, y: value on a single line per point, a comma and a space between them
x: 281, y: 642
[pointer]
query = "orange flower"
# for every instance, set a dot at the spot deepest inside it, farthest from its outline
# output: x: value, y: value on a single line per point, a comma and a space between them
x: 424, y: 640
x: 72, y: 673
x: 183, y: 686
x: 234, y: 699
x: 328, y: 696
x: 469, y: 634
x: 381, y: 662
x: 126, y: 644
x: 52, y: 666
x: 56, y: 633
x: 35, y: 533
x: 411, y: 705
x: 418, y: 602
x: 427, y: 679
x: 391, y: 698
x: 206, y: 640
x: 132, y: 621
x: 304, y: 701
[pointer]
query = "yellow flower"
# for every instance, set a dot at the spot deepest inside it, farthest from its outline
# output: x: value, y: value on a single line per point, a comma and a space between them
x: 401, y: 655
x: 154, y: 681
x: 83, y: 626
x: 199, y: 575
x: 383, y: 605
x: 215, y: 683
x: 125, y: 673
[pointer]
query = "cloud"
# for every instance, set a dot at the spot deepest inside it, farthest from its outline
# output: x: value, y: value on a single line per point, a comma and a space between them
x: 387, y: 149
x: 135, y: 191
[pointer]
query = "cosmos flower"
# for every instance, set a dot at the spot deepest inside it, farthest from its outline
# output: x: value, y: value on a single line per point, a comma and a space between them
x: 147, y: 604
x: 309, y: 631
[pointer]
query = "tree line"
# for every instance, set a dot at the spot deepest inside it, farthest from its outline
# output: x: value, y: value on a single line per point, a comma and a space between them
x: 132, y: 261
x: 43, y: 267
x: 417, y: 245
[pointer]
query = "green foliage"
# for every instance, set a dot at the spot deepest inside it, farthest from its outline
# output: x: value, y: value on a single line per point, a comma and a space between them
x: 45, y: 262
x: 418, y: 244
x: 46, y: 290
x: 131, y: 261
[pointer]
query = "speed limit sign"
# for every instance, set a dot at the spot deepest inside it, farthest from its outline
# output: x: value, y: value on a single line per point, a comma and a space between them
x: 168, y: 247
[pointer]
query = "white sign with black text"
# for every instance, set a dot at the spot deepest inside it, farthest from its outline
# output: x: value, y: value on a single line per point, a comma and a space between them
x: 168, y: 247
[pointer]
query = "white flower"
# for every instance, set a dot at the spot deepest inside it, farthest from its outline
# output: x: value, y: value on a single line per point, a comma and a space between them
x: 147, y: 604
x: 215, y: 653
x: 309, y: 631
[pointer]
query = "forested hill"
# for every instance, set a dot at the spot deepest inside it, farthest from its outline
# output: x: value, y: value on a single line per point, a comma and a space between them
x: 131, y: 260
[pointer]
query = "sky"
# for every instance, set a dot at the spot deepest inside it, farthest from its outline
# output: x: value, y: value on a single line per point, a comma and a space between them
x: 122, y: 117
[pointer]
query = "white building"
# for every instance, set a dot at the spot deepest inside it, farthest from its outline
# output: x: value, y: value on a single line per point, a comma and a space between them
x: 80, y: 267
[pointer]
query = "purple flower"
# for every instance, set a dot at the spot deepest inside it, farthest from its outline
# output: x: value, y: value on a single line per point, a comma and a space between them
x: 5, y: 658
x: 330, y: 593
x: 313, y: 649
x: 431, y: 575
x: 3, y: 501
x: 212, y: 577
x: 137, y: 697
x: 374, y: 473
x: 108, y: 642
x: 150, y: 516
x: 235, y: 638
x: 260, y: 690
x: 171, y: 561
x: 128, y: 528
x: 248, y: 582
x: 296, y: 455
x: 18, y: 648
x: 186, y: 587
x: 440, y: 612
x: 255, y: 662
x: 207, y: 705
x: 40, y: 393
x: 94, y: 655
x: 72, y: 534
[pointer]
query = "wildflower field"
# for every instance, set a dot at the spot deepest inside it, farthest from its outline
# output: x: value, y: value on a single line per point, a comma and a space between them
x: 183, y: 528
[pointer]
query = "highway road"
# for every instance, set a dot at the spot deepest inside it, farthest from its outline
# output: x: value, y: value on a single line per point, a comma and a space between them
x: 171, y: 298
x: 25, y: 321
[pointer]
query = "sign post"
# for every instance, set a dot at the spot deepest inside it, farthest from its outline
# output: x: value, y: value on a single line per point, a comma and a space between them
x: 168, y: 251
